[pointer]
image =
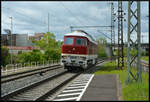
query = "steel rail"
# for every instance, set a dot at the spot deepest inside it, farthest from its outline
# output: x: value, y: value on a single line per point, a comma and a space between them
x: 43, y: 97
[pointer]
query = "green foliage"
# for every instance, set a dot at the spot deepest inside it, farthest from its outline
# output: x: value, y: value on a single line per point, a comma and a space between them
x: 145, y: 58
x: 101, y: 47
x: 19, y: 52
x: 52, y: 54
x: 133, y: 52
x: 5, y: 56
x: 48, y: 41
x: 51, y: 47
x: 62, y: 42
x: 34, y: 55
x: 15, y: 58
x: 124, y: 51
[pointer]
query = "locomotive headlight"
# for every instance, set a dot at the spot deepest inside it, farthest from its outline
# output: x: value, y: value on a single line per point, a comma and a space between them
x: 83, y: 58
x: 64, y: 57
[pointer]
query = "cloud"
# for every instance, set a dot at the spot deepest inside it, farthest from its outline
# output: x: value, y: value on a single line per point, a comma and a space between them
x: 32, y: 16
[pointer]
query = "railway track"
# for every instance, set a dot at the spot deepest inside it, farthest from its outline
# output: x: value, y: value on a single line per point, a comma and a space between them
x: 144, y: 65
x: 42, y: 89
x: 16, y: 76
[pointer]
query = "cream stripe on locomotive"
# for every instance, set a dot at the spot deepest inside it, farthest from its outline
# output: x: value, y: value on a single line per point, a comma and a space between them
x: 87, y: 56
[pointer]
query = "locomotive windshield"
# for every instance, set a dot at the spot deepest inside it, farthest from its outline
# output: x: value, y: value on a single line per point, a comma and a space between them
x: 69, y: 41
x: 80, y: 41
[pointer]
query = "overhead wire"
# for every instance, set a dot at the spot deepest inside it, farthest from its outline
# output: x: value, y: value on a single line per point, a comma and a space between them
x: 33, y: 19
x: 71, y: 13
x: 38, y: 22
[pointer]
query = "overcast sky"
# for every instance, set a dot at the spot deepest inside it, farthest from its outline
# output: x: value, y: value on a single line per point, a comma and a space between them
x: 32, y: 16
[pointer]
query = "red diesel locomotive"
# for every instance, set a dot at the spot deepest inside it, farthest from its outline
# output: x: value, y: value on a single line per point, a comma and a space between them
x: 79, y: 50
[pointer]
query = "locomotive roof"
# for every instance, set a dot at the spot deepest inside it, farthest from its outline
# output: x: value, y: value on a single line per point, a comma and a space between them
x: 81, y: 33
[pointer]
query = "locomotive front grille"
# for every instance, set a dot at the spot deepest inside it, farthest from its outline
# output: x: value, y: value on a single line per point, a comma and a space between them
x: 80, y: 62
x: 73, y: 57
x: 73, y: 61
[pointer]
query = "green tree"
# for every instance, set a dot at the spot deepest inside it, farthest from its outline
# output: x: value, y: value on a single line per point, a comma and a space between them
x: 48, y: 41
x: 34, y: 55
x: 52, y: 54
x: 51, y: 47
x: 5, y: 55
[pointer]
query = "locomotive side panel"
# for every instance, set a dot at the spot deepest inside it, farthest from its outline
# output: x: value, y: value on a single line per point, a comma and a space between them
x: 92, y: 53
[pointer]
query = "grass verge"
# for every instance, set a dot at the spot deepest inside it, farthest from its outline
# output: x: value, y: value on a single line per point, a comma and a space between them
x: 145, y: 58
x: 133, y: 91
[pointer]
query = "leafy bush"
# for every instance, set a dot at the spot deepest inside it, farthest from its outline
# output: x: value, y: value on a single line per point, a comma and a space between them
x: 34, y: 55
x: 5, y: 56
x: 52, y: 54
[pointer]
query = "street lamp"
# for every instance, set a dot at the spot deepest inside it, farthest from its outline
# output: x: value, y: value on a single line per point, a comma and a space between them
x: 11, y: 38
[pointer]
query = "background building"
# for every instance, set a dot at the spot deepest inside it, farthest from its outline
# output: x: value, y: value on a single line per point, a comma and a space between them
x: 22, y: 40
x: 37, y: 36
x: 17, y: 40
x: 6, y: 39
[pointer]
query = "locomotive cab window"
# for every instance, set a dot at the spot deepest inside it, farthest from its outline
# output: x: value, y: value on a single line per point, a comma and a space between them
x: 69, y: 41
x: 80, y: 41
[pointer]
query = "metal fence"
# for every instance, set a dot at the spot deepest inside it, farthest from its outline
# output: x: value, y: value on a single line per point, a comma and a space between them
x: 29, y: 65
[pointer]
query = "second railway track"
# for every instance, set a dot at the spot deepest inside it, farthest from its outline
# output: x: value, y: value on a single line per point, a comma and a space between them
x: 16, y: 76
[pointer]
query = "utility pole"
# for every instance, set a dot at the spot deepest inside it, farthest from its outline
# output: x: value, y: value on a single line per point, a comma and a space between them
x: 71, y: 28
x: 142, y: 37
x: 134, y: 29
x: 47, y: 27
x: 120, y: 36
x: 112, y: 29
x: 11, y: 38
x: 48, y: 23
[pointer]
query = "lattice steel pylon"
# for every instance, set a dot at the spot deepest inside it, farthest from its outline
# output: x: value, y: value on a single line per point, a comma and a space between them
x: 134, y: 28
x: 120, y: 36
